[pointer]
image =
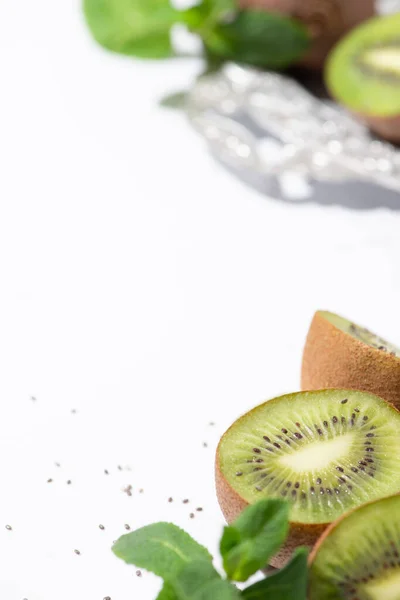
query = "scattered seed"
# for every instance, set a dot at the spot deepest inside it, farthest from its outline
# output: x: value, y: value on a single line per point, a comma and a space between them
x: 138, y: 573
x: 69, y: 482
x: 119, y: 467
x: 141, y: 491
x: 8, y: 527
x: 199, y: 509
x: 205, y: 445
x: 77, y: 552
x: 106, y: 472
x: 50, y: 480
x: 211, y: 423
x: 57, y: 464
x: 127, y: 527
x: 185, y: 501
x: 170, y: 500
x: 102, y: 527
x: 191, y: 515
x: 107, y: 598
x: 128, y: 490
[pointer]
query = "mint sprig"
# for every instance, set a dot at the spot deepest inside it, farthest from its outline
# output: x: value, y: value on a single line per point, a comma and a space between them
x: 142, y: 28
x: 187, y: 569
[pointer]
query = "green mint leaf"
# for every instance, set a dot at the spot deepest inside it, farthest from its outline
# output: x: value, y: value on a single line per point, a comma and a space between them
x: 199, y: 580
x: 259, y: 38
x: 174, y: 101
x: 167, y: 593
x: 204, y: 16
x: 162, y: 548
x: 287, y: 584
x: 254, y: 538
x: 136, y: 27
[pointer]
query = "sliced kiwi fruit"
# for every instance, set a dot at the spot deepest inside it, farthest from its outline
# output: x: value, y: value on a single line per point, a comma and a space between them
x: 341, y: 354
x: 326, y: 21
x: 363, y: 73
x: 358, y: 557
x: 325, y: 452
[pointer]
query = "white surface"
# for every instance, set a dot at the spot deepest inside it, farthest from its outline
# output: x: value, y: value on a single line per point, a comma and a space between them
x: 146, y: 288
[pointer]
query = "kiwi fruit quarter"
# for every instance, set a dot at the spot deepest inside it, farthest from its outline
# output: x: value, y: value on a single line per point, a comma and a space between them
x: 363, y: 73
x: 341, y: 354
x: 325, y: 452
x: 358, y: 557
x: 326, y: 21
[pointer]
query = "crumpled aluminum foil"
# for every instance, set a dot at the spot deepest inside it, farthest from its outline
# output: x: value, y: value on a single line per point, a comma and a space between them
x: 269, y: 128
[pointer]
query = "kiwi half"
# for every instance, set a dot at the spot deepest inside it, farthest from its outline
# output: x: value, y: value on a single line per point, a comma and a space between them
x: 340, y: 354
x: 326, y: 20
x: 363, y: 73
x: 358, y: 557
x: 325, y: 452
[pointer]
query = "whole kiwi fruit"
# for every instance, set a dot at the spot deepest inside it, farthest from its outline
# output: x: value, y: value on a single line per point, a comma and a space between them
x: 326, y: 20
x: 325, y: 452
x: 339, y: 353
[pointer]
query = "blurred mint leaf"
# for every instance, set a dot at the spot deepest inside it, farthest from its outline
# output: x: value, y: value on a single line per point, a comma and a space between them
x: 260, y: 38
x: 200, y: 581
x: 167, y: 593
x: 136, y: 27
x: 162, y: 548
x: 287, y: 584
x: 254, y: 538
x: 174, y: 101
x: 204, y: 16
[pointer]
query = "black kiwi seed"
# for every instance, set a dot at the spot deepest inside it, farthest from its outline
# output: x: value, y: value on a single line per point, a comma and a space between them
x: 276, y: 445
x: 354, y: 469
x: 284, y: 430
x: 312, y: 489
x: 343, y: 420
x: 365, y: 418
x: 370, y: 435
x: 336, y: 490
x: 297, y: 424
x: 325, y: 423
x: 298, y: 435
x: 334, y: 419
x: 319, y: 480
x: 257, y: 450
x: 373, y: 427
x: 357, y: 410
x: 322, y: 491
x: 340, y: 469
x: 256, y: 469
x: 294, y: 493
x: 319, y: 431
x: 289, y: 484
x: 266, y: 438
x: 329, y: 491
x: 258, y: 488
x: 239, y: 474
x: 361, y: 462
x: 344, y: 401
x: 303, y: 495
x: 284, y: 493
x: 297, y: 485
x: 287, y: 442
x: 353, y: 416
x: 369, y: 449
x: 259, y: 460
x: 342, y: 479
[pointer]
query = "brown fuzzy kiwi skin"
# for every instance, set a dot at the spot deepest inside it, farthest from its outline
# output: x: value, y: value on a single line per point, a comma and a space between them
x: 386, y: 127
x: 232, y: 504
x: 326, y: 20
x: 335, y: 359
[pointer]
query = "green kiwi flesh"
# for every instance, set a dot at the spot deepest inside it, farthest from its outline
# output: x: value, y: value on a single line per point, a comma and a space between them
x: 363, y: 71
x: 359, y: 557
x: 326, y: 452
x: 361, y: 333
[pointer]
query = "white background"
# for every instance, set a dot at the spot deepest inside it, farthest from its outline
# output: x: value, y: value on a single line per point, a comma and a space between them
x: 147, y: 289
